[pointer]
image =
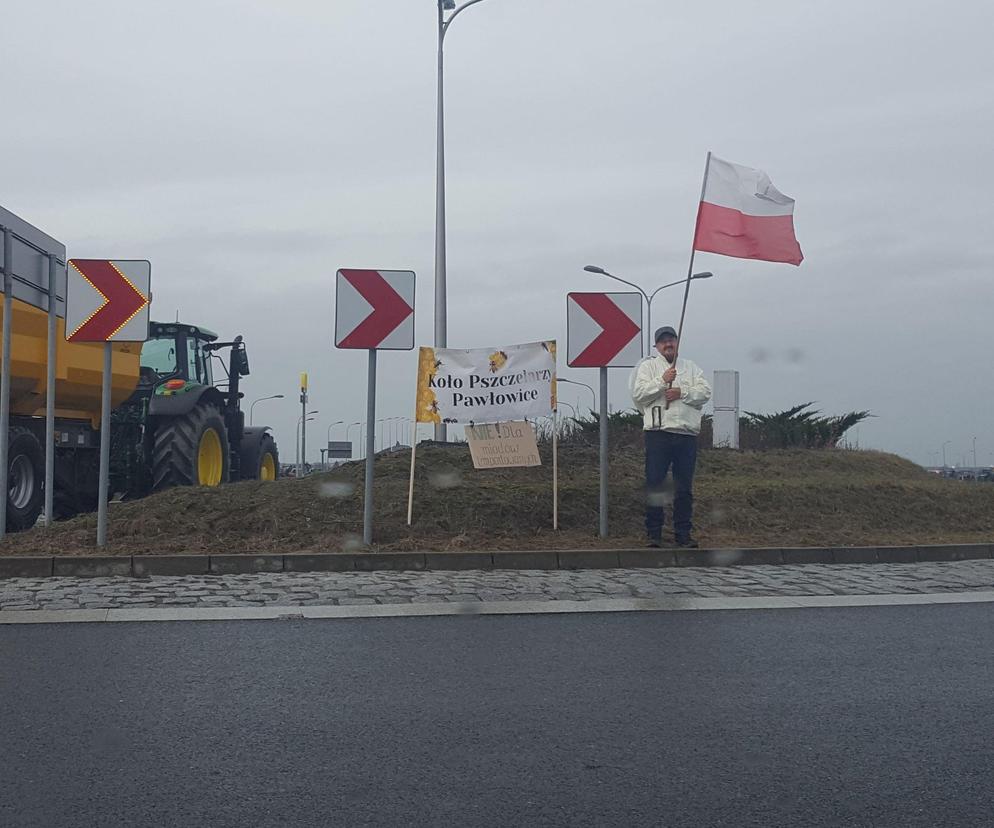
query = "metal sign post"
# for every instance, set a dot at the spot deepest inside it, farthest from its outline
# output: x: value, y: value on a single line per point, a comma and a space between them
x: 102, y: 497
x: 367, y: 503
x: 603, y: 452
x: 303, y: 425
x: 8, y: 324
x: 50, y: 394
x: 603, y: 330
x: 107, y: 301
x: 374, y: 310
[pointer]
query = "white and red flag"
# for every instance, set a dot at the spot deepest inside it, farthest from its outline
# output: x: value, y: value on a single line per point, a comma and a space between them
x: 743, y: 215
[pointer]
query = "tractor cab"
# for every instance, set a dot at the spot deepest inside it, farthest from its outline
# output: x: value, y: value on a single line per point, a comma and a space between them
x: 177, y: 351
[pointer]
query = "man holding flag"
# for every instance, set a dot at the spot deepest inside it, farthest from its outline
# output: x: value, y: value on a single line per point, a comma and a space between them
x: 670, y: 393
x: 740, y: 214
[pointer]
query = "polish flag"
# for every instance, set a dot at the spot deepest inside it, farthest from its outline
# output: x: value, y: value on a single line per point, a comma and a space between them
x: 743, y: 215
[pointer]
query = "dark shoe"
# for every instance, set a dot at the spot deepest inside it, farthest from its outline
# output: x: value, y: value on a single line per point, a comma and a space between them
x: 686, y: 542
x: 654, y: 543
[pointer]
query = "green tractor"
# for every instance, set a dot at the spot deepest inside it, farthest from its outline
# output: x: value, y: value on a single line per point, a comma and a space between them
x: 194, y: 431
x: 182, y: 426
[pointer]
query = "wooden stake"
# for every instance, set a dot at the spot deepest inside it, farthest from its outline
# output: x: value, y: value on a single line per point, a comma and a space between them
x: 555, y: 470
x: 410, y: 488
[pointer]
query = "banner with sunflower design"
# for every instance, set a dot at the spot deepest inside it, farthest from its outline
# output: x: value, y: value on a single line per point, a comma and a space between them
x: 486, y: 385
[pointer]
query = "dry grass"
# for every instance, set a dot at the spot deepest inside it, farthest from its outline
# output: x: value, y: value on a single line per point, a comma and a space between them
x: 778, y: 498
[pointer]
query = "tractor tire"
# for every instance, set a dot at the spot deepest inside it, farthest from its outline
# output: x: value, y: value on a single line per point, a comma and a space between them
x: 191, y: 450
x: 25, y: 480
x: 261, y: 461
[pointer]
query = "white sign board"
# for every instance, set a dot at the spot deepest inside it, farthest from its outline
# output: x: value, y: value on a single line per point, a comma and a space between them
x: 108, y: 300
x: 603, y: 330
x: 374, y: 309
x: 486, y: 385
x: 725, y: 424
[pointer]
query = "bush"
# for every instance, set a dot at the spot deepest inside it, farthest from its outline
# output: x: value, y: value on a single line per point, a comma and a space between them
x: 797, y: 427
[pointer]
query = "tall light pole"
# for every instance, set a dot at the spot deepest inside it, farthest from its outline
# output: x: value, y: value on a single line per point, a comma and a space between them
x: 302, y: 420
x: 252, y: 407
x: 944, y: 452
x: 304, y: 415
x: 648, y: 296
x: 593, y: 396
x: 348, y: 428
x: 328, y: 441
x: 441, y: 328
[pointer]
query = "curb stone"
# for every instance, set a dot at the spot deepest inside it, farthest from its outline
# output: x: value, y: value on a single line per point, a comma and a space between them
x: 548, y: 559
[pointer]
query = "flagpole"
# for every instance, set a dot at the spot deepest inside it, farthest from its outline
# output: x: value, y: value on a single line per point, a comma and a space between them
x: 690, y: 267
x: 693, y: 250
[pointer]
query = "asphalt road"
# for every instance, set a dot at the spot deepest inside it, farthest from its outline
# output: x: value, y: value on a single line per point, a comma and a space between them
x: 836, y: 717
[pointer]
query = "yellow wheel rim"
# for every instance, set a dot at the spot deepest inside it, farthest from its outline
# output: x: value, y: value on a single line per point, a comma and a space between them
x: 210, y: 459
x: 268, y: 469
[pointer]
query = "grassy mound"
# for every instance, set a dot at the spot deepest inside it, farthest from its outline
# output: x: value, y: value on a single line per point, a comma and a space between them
x: 770, y: 498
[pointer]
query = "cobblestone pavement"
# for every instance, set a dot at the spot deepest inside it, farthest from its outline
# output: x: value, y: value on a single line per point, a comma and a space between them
x: 325, y: 588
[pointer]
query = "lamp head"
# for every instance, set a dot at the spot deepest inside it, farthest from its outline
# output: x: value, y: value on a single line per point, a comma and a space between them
x: 594, y: 269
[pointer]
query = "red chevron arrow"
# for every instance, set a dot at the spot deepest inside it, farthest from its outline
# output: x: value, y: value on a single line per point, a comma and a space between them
x: 122, y: 300
x: 389, y: 309
x: 618, y: 330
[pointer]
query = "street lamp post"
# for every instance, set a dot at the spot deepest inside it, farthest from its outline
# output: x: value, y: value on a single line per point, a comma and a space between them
x: 593, y: 407
x: 441, y: 329
x: 648, y: 297
x: 252, y: 407
x: 301, y: 420
x: 348, y: 428
x: 568, y: 405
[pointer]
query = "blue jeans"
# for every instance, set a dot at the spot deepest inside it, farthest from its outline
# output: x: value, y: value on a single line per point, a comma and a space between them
x: 662, y: 450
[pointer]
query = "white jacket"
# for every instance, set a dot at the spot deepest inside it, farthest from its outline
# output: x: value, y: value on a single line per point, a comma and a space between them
x: 648, y: 392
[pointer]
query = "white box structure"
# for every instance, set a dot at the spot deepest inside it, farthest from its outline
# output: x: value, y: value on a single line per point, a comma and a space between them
x: 725, y: 431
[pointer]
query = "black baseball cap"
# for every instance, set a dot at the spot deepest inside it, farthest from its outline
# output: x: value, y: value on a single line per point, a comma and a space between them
x: 663, y: 332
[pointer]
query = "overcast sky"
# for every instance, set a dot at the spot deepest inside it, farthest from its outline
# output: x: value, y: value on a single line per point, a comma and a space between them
x: 249, y: 149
